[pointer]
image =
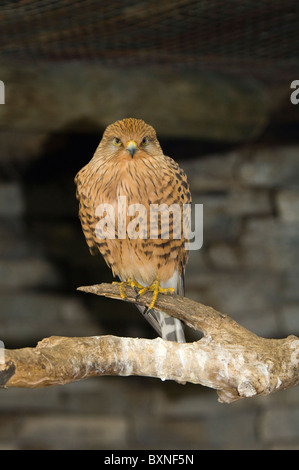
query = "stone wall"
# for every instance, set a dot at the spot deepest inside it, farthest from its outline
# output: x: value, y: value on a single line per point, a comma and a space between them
x: 247, y: 268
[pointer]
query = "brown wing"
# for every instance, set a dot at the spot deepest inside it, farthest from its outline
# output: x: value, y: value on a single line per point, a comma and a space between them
x: 86, y: 214
x: 177, y: 192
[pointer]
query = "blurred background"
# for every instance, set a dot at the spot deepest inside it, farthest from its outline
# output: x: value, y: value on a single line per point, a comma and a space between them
x: 214, y: 79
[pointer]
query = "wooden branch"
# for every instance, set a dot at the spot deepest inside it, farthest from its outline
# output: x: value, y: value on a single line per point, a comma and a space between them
x: 229, y: 358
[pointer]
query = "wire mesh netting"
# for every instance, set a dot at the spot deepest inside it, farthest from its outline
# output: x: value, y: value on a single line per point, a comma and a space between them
x: 240, y: 37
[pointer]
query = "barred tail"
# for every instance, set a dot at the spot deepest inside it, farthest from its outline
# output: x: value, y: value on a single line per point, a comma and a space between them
x: 166, y: 326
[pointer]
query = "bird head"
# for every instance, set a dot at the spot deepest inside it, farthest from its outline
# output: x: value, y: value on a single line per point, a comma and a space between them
x: 130, y: 139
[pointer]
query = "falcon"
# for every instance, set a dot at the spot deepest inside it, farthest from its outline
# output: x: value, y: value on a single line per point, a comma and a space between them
x: 129, y: 165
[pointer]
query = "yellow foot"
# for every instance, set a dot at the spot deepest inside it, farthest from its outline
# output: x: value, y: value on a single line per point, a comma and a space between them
x: 122, y: 286
x: 156, y: 289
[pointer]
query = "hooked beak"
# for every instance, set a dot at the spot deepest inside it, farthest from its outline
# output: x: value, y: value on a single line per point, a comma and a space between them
x: 131, y: 147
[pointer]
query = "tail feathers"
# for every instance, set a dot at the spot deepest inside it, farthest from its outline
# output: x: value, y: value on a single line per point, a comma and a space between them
x: 166, y: 326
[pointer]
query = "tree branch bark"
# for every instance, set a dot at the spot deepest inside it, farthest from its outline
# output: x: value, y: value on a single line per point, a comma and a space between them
x: 229, y: 358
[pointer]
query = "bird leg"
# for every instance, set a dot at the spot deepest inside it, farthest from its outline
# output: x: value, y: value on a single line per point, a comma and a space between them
x: 156, y: 289
x: 122, y: 286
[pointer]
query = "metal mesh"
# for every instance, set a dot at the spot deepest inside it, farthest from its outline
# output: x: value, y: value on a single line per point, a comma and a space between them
x: 240, y: 37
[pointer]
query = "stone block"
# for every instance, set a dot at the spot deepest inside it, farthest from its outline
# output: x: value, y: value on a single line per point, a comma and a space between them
x: 271, y: 167
x: 224, y: 255
x: 194, y: 402
x: 70, y: 432
x: 244, y: 202
x: 280, y: 424
x: 288, y: 205
x: 285, y: 398
x: 13, y: 240
x: 235, y: 202
x: 263, y: 322
x: 11, y: 200
x: 218, y: 223
x: 60, y: 238
x: 205, y: 432
x: 223, y: 212
x: 28, y: 272
x: 197, y: 260
x: 28, y: 317
x: 220, y: 228
x: 234, y: 292
x: 159, y: 433
x: 97, y: 395
x: 211, y: 173
x: 234, y: 431
x: 290, y: 291
x: 52, y: 199
x: 21, y: 146
x: 290, y: 318
x: 270, y: 243
x: 182, y: 104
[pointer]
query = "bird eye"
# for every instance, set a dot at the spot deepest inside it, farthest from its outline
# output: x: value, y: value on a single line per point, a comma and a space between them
x: 144, y: 141
x: 116, y: 141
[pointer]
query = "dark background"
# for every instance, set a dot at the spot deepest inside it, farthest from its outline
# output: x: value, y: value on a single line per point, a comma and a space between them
x: 214, y: 79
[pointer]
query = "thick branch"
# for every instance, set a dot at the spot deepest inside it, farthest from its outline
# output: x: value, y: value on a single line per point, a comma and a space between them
x: 228, y: 358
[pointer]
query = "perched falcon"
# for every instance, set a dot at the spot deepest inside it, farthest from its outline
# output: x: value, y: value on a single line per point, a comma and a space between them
x: 129, y: 162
